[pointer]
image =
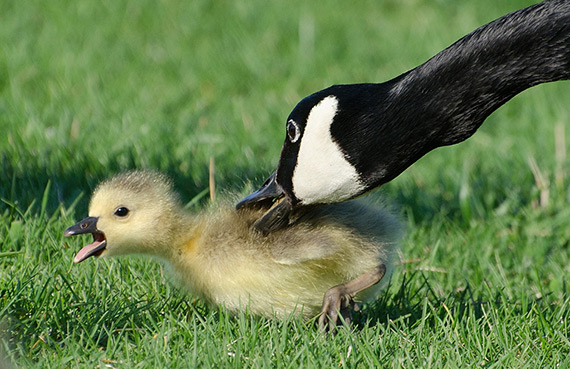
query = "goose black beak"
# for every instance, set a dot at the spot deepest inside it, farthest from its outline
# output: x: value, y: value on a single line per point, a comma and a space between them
x: 96, y: 248
x: 270, y: 195
x: 269, y: 192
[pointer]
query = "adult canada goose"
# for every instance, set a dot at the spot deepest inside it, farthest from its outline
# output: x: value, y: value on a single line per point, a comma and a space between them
x: 335, y: 255
x: 348, y: 139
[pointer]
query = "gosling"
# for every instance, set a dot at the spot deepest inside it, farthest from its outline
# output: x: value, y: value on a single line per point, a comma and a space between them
x: 332, y: 258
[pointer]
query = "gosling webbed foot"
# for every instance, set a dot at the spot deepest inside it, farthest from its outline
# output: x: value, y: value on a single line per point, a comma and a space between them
x: 337, y: 308
x: 338, y: 302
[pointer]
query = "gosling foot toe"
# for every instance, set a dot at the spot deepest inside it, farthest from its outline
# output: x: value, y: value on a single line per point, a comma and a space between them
x: 337, y: 308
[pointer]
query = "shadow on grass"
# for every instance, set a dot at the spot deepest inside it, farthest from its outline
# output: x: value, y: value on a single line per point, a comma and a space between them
x: 415, y: 302
x: 25, y: 183
x: 411, y: 302
x: 461, y: 200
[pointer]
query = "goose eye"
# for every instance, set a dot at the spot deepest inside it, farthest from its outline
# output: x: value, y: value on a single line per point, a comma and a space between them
x: 122, y: 212
x: 293, y: 131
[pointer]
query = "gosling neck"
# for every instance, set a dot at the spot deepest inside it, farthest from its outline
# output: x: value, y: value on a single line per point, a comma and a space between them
x: 180, y: 230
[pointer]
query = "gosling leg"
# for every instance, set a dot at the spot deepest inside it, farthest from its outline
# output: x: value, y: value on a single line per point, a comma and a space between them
x: 339, y: 299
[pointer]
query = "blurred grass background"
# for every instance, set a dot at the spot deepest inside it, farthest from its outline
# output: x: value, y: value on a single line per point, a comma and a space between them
x: 91, y: 88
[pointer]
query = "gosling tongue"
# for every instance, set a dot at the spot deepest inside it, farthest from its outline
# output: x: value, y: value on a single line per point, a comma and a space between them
x: 94, y: 248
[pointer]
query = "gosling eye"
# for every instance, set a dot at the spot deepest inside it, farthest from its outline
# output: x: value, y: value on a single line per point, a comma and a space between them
x: 121, y: 212
x: 293, y: 131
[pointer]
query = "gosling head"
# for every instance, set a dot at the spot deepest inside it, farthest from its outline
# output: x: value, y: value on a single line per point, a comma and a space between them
x: 134, y: 212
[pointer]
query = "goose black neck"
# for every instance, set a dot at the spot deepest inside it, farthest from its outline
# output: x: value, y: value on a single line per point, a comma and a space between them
x: 446, y: 99
x: 473, y: 77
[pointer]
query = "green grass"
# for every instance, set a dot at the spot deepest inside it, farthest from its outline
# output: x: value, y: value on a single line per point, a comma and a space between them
x: 88, y: 89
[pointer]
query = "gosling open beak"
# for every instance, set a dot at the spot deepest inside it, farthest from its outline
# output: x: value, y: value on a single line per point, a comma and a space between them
x: 270, y: 195
x: 88, y: 225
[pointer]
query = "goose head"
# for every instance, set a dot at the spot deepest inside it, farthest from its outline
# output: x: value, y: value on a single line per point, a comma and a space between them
x: 134, y: 212
x: 315, y: 166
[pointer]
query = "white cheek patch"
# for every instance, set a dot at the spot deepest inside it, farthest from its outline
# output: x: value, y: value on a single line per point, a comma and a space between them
x: 322, y: 173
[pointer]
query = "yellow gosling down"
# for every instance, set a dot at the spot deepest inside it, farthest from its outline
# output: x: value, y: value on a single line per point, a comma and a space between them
x: 331, y: 258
